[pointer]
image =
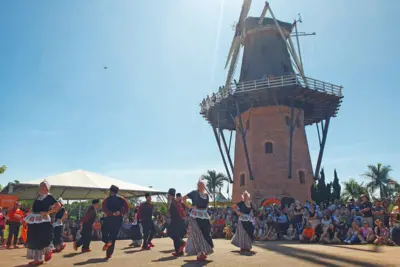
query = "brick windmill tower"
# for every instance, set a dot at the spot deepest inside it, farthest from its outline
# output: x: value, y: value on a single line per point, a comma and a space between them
x: 269, y: 108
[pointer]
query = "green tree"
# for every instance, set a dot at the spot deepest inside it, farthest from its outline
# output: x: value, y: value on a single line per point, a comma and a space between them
x: 353, y: 189
x: 328, y: 193
x: 336, y: 188
x: 322, y: 195
x: 3, y: 169
x: 379, y: 176
x: 314, y: 193
x: 214, y: 181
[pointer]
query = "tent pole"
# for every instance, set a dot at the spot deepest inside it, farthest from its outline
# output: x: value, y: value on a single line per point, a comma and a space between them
x: 79, y: 215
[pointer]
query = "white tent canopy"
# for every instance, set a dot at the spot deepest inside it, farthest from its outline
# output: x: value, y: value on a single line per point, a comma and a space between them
x: 77, y: 185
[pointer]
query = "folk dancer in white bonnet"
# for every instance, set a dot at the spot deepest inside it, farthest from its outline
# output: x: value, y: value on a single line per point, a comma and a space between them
x: 244, y: 235
x: 40, y: 229
x: 58, y: 226
x: 199, y: 242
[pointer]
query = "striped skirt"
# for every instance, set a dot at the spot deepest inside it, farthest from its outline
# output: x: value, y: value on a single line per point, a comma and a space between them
x: 241, y: 239
x: 196, y: 242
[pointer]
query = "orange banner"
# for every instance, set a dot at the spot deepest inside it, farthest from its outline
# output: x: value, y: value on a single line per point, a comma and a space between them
x: 7, y: 201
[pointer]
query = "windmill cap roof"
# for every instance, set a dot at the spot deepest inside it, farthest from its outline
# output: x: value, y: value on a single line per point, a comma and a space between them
x: 252, y: 23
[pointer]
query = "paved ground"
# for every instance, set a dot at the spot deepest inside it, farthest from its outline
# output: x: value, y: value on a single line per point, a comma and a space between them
x: 274, y: 254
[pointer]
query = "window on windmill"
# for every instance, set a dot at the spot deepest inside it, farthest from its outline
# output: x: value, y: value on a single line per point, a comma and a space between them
x: 302, y: 177
x: 242, y: 179
x: 269, y: 148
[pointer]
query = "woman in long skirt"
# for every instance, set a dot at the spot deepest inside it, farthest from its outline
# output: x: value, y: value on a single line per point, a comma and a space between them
x: 199, y: 241
x: 40, y: 229
x: 58, y: 226
x: 244, y: 235
x: 136, y: 232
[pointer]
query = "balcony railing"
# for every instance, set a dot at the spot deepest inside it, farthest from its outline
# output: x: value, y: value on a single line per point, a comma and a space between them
x: 267, y: 83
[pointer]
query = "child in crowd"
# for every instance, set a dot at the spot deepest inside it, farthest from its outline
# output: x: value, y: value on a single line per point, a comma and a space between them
x: 308, y: 235
x: 352, y: 234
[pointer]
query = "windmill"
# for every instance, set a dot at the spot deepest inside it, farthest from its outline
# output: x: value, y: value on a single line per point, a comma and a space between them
x: 269, y: 108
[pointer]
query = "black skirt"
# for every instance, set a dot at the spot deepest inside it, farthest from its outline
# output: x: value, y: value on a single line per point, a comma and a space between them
x: 136, y: 234
x: 40, y: 235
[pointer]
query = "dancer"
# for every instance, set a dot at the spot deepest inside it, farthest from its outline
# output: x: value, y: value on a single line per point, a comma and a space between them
x: 145, y: 215
x: 40, y: 230
x: 176, y: 229
x: 199, y: 242
x: 58, y: 226
x: 15, y: 216
x: 244, y: 235
x: 87, y: 227
x: 136, y: 232
x: 115, y: 207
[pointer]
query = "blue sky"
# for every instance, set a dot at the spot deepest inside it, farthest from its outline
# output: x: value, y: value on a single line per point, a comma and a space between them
x: 139, y: 119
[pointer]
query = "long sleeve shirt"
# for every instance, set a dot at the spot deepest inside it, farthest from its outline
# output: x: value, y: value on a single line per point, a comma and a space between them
x: 114, y: 204
x: 145, y: 212
x: 89, y: 217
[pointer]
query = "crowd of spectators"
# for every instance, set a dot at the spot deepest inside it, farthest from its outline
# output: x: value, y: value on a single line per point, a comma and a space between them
x: 358, y: 221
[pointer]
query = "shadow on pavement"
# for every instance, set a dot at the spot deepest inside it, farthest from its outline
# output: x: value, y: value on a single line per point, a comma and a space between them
x: 167, y: 251
x: 374, y: 250
x: 71, y: 255
x: 244, y: 253
x: 315, y: 257
x: 195, y: 263
x: 168, y: 258
x: 91, y: 261
x: 132, y: 251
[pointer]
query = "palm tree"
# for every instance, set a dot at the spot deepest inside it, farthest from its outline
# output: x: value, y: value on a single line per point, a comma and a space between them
x: 214, y: 181
x: 353, y: 189
x: 379, y: 176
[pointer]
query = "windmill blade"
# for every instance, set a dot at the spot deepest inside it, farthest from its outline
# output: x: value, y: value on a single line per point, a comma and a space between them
x: 232, y: 68
x: 264, y: 13
x: 244, y: 12
x: 233, y: 45
x: 239, y: 29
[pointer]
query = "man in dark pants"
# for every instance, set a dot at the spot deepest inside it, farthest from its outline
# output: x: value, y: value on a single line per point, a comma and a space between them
x: 87, y: 227
x: 15, y: 216
x: 176, y: 229
x: 145, y: 215
x: 115, y: 207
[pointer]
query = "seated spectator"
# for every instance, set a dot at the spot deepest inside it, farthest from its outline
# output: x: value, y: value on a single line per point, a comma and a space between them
x: 330, y: 236
x: 366, y: 234
x: 312, y: 216
x: 125, y: 229
x: 290, y: 233
x: 352, y: 234
x: 308, y: 235
x: 381, y: 233
x: 325, y: 222
x: 378, y: 210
